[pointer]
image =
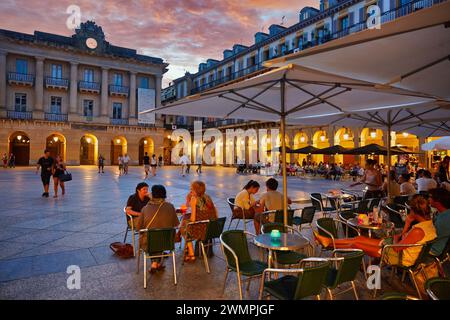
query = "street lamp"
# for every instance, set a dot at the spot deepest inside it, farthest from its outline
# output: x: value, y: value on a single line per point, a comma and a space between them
x: 88, y: 140
x: 118, y: 141
x: 145, y: 142
x: 302, y: 139
x: 55, y: 138
x: 19, y: 138
x: 405, y: 134
x: 373, y: 134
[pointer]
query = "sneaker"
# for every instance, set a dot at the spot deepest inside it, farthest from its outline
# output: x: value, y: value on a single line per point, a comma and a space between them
x: 46, y: 195
x: 43, y: 195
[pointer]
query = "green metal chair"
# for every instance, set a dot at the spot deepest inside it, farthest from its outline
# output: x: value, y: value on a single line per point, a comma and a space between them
x: 397, y: 296
x: 232, y: 205
x: 160, y: 244
x: 130, y: 227
x: 317, y: 202
x: 345, y: 265
x: 309, y: 281
x: 443, y: 257
x: 189, y: 238
x: 213, y: 231
x: 235, y: 249
x: 307, y: 217
x: 438, y: 288
x: 330, y: 228
x: 285, y: 257
x: 417, y: 266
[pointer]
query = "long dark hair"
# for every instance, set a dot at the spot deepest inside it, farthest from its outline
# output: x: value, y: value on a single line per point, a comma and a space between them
x: 252, y: 184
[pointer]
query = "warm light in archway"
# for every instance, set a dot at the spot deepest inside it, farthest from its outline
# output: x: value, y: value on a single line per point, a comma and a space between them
x: 55, y: 139
x: 145, y: 141
x: 373, y: 134
x: 169, y: 137
x: 88, y: 140
x: 405, y: 134
x: 346, y: 136
x: 118, y: 141
x: 322, y: 137
x: 302, y: 139
x: 19, y: 138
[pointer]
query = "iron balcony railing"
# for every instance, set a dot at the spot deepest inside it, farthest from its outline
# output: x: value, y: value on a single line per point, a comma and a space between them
x: 118, y: 90
x: 89, y: 118
x: 233, y: 76
x: 119, y: 122
x: 56, y: 83
x: 57, y: 117
x: 89, y: 86
x: 387, y: 16
x: 21, y: 78
x: 22, y: 115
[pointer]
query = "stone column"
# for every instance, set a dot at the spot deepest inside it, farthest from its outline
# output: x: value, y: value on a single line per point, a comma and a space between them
x: 3, y: 106
x: 73, y: 93
x: 132, y: 100
x: 104, y: 97
x: 38, y: 110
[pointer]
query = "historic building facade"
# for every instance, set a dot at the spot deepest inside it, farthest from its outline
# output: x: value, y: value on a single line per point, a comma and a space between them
x: 335, y: 19
x: 78, y: 96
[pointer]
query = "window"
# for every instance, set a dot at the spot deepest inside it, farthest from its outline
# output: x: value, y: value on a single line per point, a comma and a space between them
x: 117, y: 110
x: 88, y: 75
x: 144, y: 83
x: 57, y: 71
x: 343, y: 23
x: 21, y: 66
x: 88, y: 108
x: 117, y: 79
x: 20, y: 102
x: 55, y: 105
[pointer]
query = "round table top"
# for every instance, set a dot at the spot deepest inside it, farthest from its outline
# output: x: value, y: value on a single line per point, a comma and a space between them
x: 286, y: 242
x: 375, y: 226
x: 338, y: 195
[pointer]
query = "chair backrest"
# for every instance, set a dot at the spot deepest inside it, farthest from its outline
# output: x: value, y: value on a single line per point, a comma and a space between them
x: 268, y: 227
x: 215, y: 228
x: 397, y: 296
x: 237, y: 241
x: 316, y: 200
x: 375, y: 202
x: 446, y: 250
x: 308, y: 214
x: 424, y: 253
x: 311, y: 280
x: 159, y: 240
x: 347, y: 269
x: 438, y: 288
x: 230, y: 202
x: 329, y: 225
x: 401, y: 200
x: 279, y: 216
x: 394, y: 217
x: 363, y: 206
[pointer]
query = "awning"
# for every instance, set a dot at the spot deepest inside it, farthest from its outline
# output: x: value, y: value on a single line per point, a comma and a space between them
x: 439, y: 144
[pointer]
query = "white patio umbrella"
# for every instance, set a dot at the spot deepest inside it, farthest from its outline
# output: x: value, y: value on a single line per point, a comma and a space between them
x: 412, y: 52
x: 288, y: 93
x: 439, y: 144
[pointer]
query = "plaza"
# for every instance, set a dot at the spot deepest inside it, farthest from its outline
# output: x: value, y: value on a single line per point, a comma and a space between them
x: 40, y: 238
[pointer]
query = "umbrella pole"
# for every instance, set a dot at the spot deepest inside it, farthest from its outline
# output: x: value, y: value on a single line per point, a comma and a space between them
x: 283, y: 151
x: 389, y: 127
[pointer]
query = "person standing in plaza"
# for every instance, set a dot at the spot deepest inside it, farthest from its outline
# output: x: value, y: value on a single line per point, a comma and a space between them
x: 160, y: 161
x: 5, y: 160
x: 120, y: 163
x: 126, y: 161
x: 12, y: 160
x: 46, y: 165
x: 184, y: 162
x: 153, y: 164
x: 442, y: 173
x: 101, y: 163
x: 58, y: 169
x: 372, y: 179
x: 146, y: 160
x: 199, y: 163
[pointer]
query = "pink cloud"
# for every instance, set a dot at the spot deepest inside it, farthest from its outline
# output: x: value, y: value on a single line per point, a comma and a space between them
x: 182, y: 32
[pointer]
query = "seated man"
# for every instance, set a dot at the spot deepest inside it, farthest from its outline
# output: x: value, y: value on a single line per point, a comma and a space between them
x: 157, y: 214
x: 440, y: 199
x: 138, y: 200
x: 272, y: 199
x: 406, y: 187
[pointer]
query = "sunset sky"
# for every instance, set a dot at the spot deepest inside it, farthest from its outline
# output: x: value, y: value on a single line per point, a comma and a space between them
x: 182, y: 32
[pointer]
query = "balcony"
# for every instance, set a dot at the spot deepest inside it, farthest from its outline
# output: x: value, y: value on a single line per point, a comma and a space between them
x: 89, y: 118
x: 119, y: 122
x: 22, y: 115
x: 56, y: 117
x: 56, y: 83
x: 119, y: 91
x: 89, y: 87
x: 20, y: 79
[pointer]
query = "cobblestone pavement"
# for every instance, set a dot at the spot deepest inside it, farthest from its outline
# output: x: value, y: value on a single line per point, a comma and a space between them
x: 41, y: 237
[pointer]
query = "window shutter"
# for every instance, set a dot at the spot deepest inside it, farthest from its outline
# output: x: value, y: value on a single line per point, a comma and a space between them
x: 392, y: 4
x: 361, y: 14
x: 351, y: 19
x: 380, y: 4
x: 335, y: 26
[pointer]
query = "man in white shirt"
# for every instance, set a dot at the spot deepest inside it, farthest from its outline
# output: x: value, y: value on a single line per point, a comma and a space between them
x: 184, y: 162
x: 406, y: 187
x: 425, y: 182
x: 126, y: 161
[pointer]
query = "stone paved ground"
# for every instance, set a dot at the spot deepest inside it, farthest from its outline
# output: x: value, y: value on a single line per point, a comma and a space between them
x: 40, y: 238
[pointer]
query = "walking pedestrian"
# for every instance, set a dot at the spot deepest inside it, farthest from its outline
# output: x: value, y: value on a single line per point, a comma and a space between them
x: 126, y: 161
x: 120, y: 162
x: 184, y: 162
x: 153, y: 164
x: 101, y: 163
x: 160, y: 161
x: 146, y: 165
x: 46, y: 165
x: 12, y: 160
x: 58, y: 169
x: 199, y: 164
x: 5, y: 160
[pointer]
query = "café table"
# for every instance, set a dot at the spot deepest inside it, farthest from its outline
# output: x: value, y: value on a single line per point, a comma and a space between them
x: 385, y: 226
x: 286, y: 242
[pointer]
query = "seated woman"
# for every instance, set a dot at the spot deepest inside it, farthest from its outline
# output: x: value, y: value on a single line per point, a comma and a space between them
x: 202, y: 208
x: 420, y: 233
x: 245, y: 201
x: 157, y: 214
